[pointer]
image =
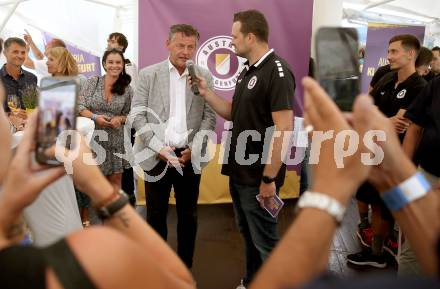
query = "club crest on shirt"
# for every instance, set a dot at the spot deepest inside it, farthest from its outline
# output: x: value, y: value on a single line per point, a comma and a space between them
x: 401, y: 94
x: 252, y: 82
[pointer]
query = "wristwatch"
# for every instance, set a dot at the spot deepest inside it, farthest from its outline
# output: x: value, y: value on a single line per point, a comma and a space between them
x: 323, y: 202
x: 106, y: 212
x: 267, y: 180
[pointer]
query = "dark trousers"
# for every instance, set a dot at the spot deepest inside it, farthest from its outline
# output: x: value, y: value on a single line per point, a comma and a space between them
x: 127, y: 182
x: 256, y: 225
x: 186, y: 191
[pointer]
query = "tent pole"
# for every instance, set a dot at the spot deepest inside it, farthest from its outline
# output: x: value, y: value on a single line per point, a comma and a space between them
x: 10, y: 14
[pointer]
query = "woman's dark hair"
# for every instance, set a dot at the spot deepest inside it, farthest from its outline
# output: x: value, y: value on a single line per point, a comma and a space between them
x: 124, y: 79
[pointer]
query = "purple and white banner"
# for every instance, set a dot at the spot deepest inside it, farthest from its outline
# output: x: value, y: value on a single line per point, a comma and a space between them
x: 378, y: 36
x: 290, y: 23
x: 88, y: 64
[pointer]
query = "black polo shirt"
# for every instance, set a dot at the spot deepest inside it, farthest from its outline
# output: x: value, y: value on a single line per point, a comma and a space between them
x: 380, y: 72
x: 16, y: 87
x: 430, y: 76
x: 425, y: 112
x: 265, y: 87
x: 390, y: 99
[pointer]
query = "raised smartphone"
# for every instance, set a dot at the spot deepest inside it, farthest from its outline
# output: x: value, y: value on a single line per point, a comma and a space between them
x: 337, y: 64
x: 57, y: 106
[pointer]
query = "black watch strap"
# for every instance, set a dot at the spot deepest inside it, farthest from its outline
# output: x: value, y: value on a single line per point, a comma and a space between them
x: 108, y: 211
x: 268, y: 180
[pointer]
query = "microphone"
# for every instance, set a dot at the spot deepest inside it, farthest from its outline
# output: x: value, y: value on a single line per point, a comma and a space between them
x: 192, y: 73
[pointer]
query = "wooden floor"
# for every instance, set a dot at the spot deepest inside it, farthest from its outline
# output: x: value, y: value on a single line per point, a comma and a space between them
x: 219, y: 254
x: 346, y: 242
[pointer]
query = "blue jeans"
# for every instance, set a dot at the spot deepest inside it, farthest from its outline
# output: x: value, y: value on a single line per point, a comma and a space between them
x: 258, y: 227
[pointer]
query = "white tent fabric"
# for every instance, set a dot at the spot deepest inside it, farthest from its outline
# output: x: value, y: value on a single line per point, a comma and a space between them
x: 420, y: 12
x: 85, y: 23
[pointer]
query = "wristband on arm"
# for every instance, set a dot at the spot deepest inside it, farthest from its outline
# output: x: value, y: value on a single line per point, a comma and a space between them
x: 408, y: 191
x: 324, y: 203
x: 107, y: 211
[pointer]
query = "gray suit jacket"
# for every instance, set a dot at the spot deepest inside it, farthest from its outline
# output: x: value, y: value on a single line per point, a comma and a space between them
x: 150, y: 109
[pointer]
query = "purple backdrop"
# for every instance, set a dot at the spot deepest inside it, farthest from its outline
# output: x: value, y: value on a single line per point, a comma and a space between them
x: 290, y: 23
x: 377, y: 46
x: 88, y: 64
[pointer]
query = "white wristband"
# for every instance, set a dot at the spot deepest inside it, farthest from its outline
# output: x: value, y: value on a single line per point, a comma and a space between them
x: 323, y: 202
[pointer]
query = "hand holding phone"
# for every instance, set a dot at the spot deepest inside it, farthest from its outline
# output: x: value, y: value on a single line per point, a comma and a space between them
x: 57, y: 113
x: 338, y: 65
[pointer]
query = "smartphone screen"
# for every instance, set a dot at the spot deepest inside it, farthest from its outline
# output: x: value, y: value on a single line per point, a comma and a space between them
x: 57, y: 113
x: 338, y: 65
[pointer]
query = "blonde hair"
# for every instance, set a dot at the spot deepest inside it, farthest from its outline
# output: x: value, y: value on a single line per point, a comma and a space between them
x: 67, y: 65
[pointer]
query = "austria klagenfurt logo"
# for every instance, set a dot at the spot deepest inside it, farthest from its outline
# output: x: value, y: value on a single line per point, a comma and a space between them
x: 217, y: 55
x: 252, y: 82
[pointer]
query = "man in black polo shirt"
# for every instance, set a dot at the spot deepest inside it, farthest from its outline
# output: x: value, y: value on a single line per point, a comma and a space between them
x: 423, y: 61
x: 422, y: 142
x: 392, y: 95
x: 423, y: 136
x: 14, y: 78
x: 263, y: 98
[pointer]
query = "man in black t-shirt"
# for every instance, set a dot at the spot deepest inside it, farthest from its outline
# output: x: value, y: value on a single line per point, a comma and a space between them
x: 393, y: 93
x: 423, y: 137
x: 262, y: 100
x: 422, y: 140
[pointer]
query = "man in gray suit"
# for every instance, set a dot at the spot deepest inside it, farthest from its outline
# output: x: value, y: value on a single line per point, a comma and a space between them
x: 167, y: 116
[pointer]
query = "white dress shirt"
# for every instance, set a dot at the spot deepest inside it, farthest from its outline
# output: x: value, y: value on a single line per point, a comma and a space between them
x: 132, y: 70
x: 176, y: 130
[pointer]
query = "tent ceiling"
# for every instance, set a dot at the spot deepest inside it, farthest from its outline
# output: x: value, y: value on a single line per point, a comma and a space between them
x: 421, y: 11
x: 86, y: 23
x: 113, y: 3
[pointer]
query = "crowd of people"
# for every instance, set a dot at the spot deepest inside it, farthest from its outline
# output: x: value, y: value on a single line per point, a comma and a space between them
x: 397, y: 90
x: 167, y: 115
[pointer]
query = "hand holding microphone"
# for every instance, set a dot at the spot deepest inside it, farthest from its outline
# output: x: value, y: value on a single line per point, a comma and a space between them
x: 192, y: 74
